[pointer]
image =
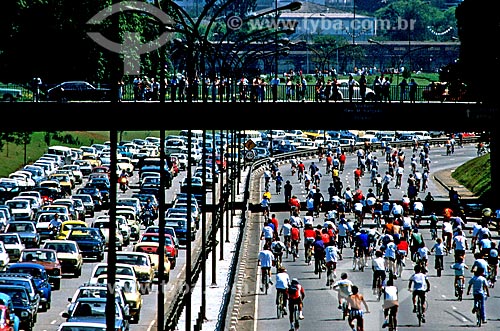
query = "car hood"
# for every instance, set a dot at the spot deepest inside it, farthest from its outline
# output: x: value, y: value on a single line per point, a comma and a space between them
x: 87, y: 241
x: 66, y: 256
x: 94, y: 319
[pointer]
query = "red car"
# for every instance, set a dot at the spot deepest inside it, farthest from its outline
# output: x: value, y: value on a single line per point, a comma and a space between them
x: 170, y: 248
x: 6, y: 323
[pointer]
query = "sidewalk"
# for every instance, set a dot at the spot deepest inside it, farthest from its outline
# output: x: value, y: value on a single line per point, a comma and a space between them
x: 214, y: 293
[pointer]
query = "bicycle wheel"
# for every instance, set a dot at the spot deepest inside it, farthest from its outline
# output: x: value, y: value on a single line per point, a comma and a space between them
x: 296, y: 319
x: 419, y: 311
x: 279, y: 306
x: 479, y: 320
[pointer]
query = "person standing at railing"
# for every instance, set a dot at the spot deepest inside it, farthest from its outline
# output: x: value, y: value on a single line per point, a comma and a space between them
x: 402, y: 89
x: 413, y: 90
x: 362, y: 87
x: 274, y: 87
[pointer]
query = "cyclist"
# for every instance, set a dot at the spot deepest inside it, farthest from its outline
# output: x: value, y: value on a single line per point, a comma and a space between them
x: 55, y: 225
x: 355, y: 309
x: 493, y: 264
x: 279, y: 182
x: 391, y: 302
x: 362, y: 244
x: 266, y: 261
x: 287, y: 188
x: 390, y: 254
x: 267, y: 231
x: 423, y: 257
x: 295, y: 239
x: 480, y: 291
x: 459, y: 266
x: 300, y: 170
x: 318, y: 200
x: 294, y: 205
x: 285, y: 231
x: 309, y: 238
x: 342, y: 159
x: 307, y: 180
x: 282, y: 285
x: 344, y: 288
x: 267, y: 178
x: 278, y: 247
x: 296, y: 295
x: 460, y: 243
x: 319, y: 253
x: 331, y: 257
x: 416, y: 241
x: 421, y: 285
x: 265, y: 204
x: 378, y: 267
x: 357, y: 177
x: 480, y: 264
x: 439, y: 250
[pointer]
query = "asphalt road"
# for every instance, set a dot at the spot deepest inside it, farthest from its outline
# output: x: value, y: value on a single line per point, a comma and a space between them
x: 320, y: 308
x: 50, y: 320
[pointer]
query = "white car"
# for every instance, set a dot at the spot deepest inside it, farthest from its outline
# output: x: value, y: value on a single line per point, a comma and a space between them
x: 103, y: 224
x: 13, y: 245
x: 20, y: 209
x: 4, y: 256
x: 76, y: 171
x: 101, y: 268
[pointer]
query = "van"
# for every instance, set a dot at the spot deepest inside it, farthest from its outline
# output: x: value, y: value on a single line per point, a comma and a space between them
x: 422, y: 135
x: 63, y: 151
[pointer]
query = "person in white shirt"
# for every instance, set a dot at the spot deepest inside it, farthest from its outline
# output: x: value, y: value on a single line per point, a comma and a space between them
x: 296, y: 220
x: 331, y: 258
x: 282, y: 283
x: 421, y: 285
x: 266, y: 261
x: 286, y: 232
x: 390, y: 256
x: 344, y: 288
x: 397, y: 210
x: 423, y: 256
x: 378, y: 267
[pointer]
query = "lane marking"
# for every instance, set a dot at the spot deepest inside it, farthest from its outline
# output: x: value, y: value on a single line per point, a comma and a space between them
x: 151, y: 324
x: 53, y: 322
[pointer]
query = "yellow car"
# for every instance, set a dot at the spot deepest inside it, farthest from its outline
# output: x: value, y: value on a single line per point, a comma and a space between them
x: 92, y: 158
x: 69, y: 255
x: 67, y: 225
x: 151, y: 249
x: 143, y: 266
x: 133, y: 296
x: 64, y: 180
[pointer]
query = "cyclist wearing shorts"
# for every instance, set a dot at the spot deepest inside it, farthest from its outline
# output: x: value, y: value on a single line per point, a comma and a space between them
x: 296, y: 295
x: 309, y: 237
x: 459, y: 266
x: 378, y: 267
x: 421, y: 285
x: 295, y: 238
x: 344, y: 288
x: 355, y: 301
x: 331, y: 257
x: 266, y: 261
x: 361, y: 242
x: 282, y: 284
x: 285, y: 231
x: 480, y: 291
x: 278, y: 247
x: 391, y: 302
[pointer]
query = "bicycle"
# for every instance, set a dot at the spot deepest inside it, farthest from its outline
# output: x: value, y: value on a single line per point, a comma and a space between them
x: 400, y: 264
x: 309, y: 250
x: 459, y: 289
x: 280, y: 308
x: 295, y: 249
x: 278, y: 187
x: 288, y: 245
x: 477, y: 307
x: 356, y: 183
x: 420, y: 310
x: 265, y: 281
x: 391, y: 318
x: 358, y: 261
x: 345, y: 309
x: 296, y: 319
x: 378, y: 287
x: 492, y: 275
x: 377, y: 218
x: 300, y: 176
x: 319, y: 265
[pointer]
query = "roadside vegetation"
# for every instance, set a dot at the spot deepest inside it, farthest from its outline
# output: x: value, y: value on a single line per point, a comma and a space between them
x: 475, y: 175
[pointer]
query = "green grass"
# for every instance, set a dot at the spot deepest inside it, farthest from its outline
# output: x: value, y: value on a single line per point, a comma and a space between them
x: 475, y: 175
x: 12, y: 156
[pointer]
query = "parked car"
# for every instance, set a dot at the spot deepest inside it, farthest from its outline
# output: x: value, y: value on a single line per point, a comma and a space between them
x: 77, y: 91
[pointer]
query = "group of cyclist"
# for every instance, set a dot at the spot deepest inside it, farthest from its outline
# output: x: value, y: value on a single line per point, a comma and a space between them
x: 386, y: 242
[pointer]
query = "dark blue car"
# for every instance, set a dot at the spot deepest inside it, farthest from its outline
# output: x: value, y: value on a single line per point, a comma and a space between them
x: 41, y: 278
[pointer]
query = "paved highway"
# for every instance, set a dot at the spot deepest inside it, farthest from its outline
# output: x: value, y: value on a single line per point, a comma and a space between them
x: 50, y: 320
x: 320, y: 311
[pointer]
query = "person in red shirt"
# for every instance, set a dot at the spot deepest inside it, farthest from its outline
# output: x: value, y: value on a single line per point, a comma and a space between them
x: 329, y: 160
x: 325, y: 236
x: 295, y: 239
x: 294, y: 205
x: 309, y: 237
x: 296, y: 295
x: 342, y: 159
x: 276, y: 224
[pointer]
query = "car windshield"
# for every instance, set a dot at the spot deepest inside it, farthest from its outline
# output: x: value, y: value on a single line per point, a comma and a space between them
x: 35, y: 272
x: 20, y: 227
x: 64, y: 248
x: 9, y: 239
x: 83, y: 233
x: 40, y: 255
x: 92, y: 308
x: 120, y: 270
x: 155, y: 239
x: 17, y: 295
x: 132, y: 259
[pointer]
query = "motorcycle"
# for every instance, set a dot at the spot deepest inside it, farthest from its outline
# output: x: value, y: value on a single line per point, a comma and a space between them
x: 54, y: 232
x: 123, y: 184
x: 147, y: 217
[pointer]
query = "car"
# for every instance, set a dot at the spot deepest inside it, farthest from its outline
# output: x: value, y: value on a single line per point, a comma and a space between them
x: 13, y: 245
x: 85, y: 166
x: 134, y: 202
x: 133, y: 294
x: 180, y: 225
x: 77, y: 91
x: 170, y: 248
x: 195, y: 186
x: 104, y: 186
x: 64, y: 182
x: 23, y: 308
x: 28, y: 282
x: 87, y: 290
x: 76, y: 171
x: 10, y: 320
x: 4, y: 256
x: 181, y: 159
x: 66, y: 226
x: 91, y: 241
x: 144, y: 199
x: 168, y: 229
x: 88, y: 203
x: 80, y: 209
x: 144, y: 268
x: 20, y: 209
x: 103, y: 223
x: 68, y: 172
x: 10, y: 94
x: 151, y: 249
x: 132, y: 221
x: 125, y: 229
x: 101, y: 268
x: 94, y: 310
x: 150, y: 181
x: 71, y: 207
x: 60, y: 209
x: 96, y: 195
x: 125, y: 163
x: 48, y: 259
x: 86, y: 326
x: 48, y: 194
x: 42, y: 222
x: 343, y: 92
x: 68, y: 253
x: 40, y: 277
x: 34, y: 194
x: 27, y: 231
